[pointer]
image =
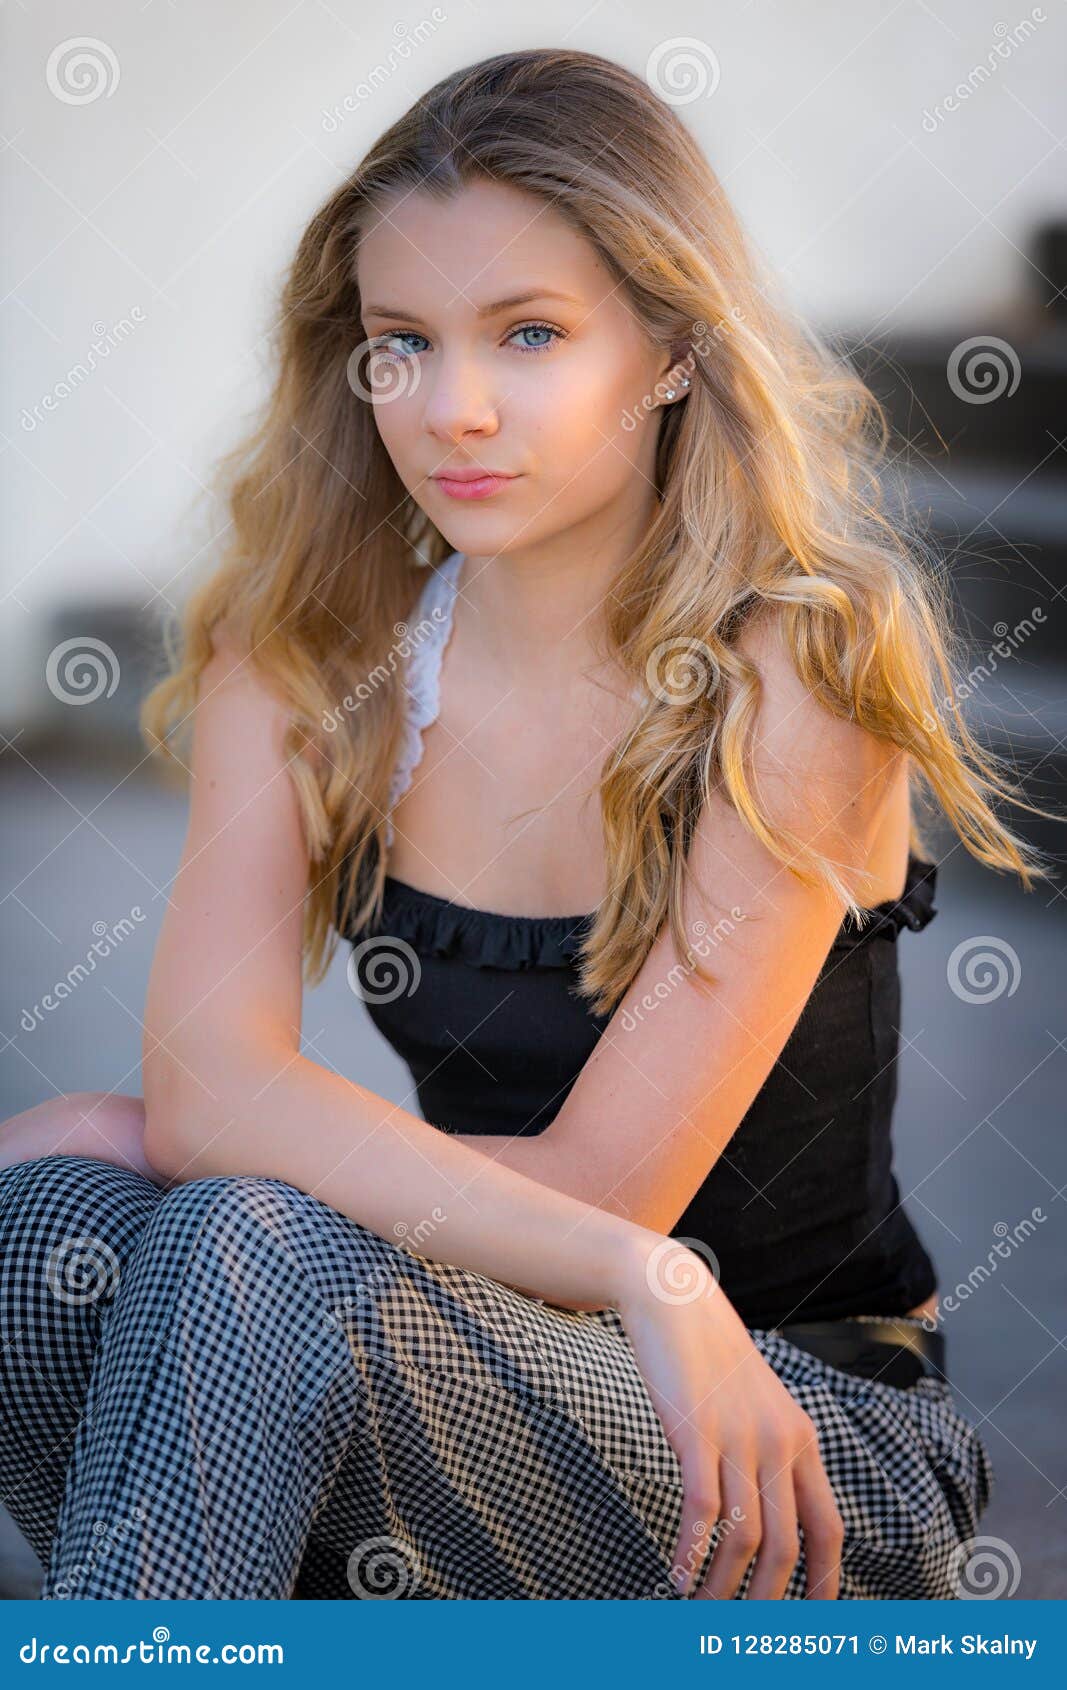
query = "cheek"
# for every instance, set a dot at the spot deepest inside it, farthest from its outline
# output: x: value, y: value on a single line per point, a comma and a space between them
x: 397, y: 422
x: 581, y: 420
x: 577, y: 408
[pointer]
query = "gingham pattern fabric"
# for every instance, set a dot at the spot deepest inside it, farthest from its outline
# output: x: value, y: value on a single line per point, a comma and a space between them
x: 232, y: 1390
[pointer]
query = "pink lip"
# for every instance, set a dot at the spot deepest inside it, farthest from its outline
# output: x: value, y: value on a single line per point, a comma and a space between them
x: 471, y: 485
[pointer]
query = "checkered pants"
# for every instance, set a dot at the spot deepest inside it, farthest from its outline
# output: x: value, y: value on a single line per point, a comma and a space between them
x: 232, y: 1390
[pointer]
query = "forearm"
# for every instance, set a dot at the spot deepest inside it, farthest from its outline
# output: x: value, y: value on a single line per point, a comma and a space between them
x: 400, y: 1177
x: 546, y: 1157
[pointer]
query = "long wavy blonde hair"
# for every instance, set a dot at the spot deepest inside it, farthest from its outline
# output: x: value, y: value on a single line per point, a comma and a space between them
x: 768, y: 490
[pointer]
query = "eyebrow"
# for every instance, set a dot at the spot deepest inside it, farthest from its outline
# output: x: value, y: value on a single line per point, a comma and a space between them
x: 492, y: 310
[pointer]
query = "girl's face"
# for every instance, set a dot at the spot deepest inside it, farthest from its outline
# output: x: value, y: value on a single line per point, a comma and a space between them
x: 502, y: 344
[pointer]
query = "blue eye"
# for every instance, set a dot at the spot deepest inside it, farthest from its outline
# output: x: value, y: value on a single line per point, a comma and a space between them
x: 386, y: 344
x: 538, y: 328
x: 382, y: 343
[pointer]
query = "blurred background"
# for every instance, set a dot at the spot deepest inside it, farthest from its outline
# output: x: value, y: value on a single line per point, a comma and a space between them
x: 902, y: 166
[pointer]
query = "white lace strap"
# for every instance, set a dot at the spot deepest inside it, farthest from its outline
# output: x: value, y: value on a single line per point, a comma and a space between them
x: 428, y: 633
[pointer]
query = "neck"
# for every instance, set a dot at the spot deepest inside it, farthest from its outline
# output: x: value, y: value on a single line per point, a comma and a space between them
x: 538, y: 613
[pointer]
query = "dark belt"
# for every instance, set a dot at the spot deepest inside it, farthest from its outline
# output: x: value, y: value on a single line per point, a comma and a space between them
x: 897, y: 1352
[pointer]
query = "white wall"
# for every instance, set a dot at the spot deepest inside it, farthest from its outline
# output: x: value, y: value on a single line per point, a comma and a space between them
x: 156, y: 217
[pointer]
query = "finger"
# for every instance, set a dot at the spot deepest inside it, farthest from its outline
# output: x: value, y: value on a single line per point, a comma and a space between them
x: 700, y: 1510
x: 821, y: 1522
x: 738, y: 1538
x: 779, y: 1547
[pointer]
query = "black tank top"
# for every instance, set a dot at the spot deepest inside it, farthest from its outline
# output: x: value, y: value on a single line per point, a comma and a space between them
x: 801, y: 1210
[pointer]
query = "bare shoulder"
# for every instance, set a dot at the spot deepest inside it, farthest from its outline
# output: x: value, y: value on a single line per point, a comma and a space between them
x: 810, y: 761
x: 815, y: 773
x: 234, y: 691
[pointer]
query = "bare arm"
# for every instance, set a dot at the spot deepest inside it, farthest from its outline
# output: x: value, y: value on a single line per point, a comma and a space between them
x: 226, y: 1088
x: 678, y: 1066
x: 228, y: 1092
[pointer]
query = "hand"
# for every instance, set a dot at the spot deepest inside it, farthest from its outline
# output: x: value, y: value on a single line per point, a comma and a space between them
x: 749, y: 1454
x: 107, y: 1126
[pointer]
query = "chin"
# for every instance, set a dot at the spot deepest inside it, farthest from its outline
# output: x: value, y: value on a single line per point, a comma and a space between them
x: 479, y: 533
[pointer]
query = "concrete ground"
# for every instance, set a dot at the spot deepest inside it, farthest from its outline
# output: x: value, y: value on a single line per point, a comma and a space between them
x: 980, y: 1113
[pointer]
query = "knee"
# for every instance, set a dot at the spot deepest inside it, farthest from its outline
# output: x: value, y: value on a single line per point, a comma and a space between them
x: 59, y: 1193
x: 67, y: 1226
x: 280, y: 1232
x: 228, y: 1222
x: 231, y: 1205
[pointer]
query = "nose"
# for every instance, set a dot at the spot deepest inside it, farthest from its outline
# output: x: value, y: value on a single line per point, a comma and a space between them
x: 459, y: 400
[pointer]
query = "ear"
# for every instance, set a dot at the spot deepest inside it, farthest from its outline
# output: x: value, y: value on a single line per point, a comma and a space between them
x: 676, y: 373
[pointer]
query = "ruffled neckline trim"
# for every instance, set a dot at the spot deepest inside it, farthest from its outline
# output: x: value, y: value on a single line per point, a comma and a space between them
x: 487, y: 938
x: 422, y: 677
x: 914, y: 909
